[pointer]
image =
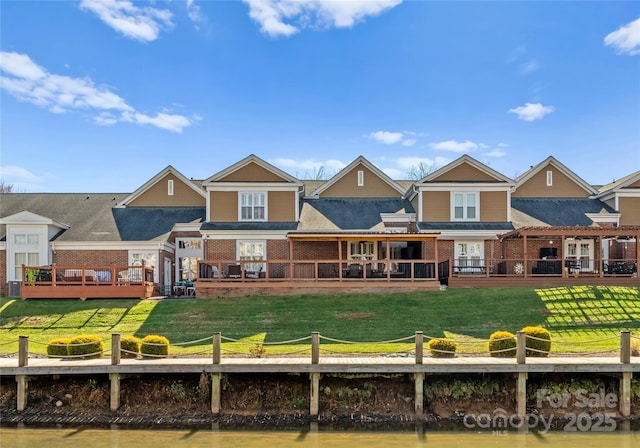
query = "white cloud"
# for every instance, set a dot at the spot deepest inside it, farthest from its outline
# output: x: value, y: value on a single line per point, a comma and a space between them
x: 409, y: 142
x: 626, y: 39
x: 271, y: 14
x: 194, y: 12
x: 310, y: 167
x: 532, y: 111
x: 29, y: 82
x: 386, y: 137
x: 143, y: 24
x: 391, y: 138
x: 21, y: 179
x: 454, y: 146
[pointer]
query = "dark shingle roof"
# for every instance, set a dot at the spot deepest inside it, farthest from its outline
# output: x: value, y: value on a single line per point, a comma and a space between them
x: 434, y: 226
x: 148, y: 223
x: 88, y: 215
x: 357, y: 213
x: 91, y: 216
x: 249, y: 226
x: 560, y: 211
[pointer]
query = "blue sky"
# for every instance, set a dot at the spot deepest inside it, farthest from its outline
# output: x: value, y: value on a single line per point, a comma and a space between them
x: 101, y: 95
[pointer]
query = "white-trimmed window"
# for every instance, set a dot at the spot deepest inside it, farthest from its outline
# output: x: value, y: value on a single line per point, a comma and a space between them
x: 362, y: 250
x: 549, y: 178
x: 253, y: 251
x: 579, y: 255
x: 188, y: 252
x: 26, y: 251
x: 360, y: 178
x: 464, y: 206
x: 170, y: 187
x: 253, y: 206
x: 469, y: 254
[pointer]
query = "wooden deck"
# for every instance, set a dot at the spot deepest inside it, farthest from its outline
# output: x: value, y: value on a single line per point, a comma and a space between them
x: 470, y: 281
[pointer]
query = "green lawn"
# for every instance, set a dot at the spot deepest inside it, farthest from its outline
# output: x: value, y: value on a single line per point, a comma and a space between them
x: 575, y: 316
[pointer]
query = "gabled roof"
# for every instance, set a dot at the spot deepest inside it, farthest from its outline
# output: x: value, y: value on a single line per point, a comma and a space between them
x: 349, y: 213
x: 27, y: 217
x: 619, y: 184
x: 246, y: 161
x: 343, y: 172
x: 524, y: 177
x: 433, y: 176
x: 157, y: 178
x: 87, y: 216
x: 561, y: 211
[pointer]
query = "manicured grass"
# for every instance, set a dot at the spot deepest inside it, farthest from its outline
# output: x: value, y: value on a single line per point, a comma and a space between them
x: 575, y: 316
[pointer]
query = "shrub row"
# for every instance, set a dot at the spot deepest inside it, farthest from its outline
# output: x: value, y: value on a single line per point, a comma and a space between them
x: 502, y: 344
x: 91, y: 346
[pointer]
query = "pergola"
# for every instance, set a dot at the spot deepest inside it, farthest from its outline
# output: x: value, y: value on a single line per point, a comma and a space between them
x: 575, y: 232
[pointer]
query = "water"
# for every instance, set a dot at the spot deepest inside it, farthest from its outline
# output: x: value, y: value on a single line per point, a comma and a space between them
x: 125, y: 438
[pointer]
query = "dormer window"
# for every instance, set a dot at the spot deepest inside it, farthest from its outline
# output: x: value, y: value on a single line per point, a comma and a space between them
x: 170, y: 187
x: 549, y: 178
x: 253, y: 207
x: 464, y: 207
x: 360, y: 178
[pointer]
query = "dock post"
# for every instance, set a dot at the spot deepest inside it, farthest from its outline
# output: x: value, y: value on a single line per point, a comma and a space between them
x: 418, y: 377
x: 521, y: 382
x: 22, y: 380
x: 216, y: 377
x: 521, y: 394
x: 115, y: 391
x: 115, y: 349
x: 419, y: 346
x: 625, y: 381
x: 314, y: 395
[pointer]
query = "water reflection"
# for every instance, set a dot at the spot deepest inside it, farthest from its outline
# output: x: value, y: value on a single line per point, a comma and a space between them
x: 309, y: 437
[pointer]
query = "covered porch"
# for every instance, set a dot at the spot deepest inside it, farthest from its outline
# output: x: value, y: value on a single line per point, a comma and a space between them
x: 328, y: 262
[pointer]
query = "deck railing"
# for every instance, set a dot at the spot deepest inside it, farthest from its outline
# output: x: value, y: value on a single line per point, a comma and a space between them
x: 554, y: 267
x: 85, y: 275
x: 316, y: 270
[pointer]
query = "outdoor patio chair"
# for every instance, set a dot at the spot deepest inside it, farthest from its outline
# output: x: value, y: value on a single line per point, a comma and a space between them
x: 235, y: 271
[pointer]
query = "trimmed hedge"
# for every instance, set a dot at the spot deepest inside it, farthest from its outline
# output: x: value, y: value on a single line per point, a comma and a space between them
x: 129, y: 347
x: 541, y: 345
x: 502, y: 344
x: 89, y: 345
x: 443, y: 348
x: 154, y: 346
x: 58, y: 347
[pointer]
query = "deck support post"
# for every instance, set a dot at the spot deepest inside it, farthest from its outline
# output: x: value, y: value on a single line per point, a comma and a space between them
x: 115, y: 391
x: 22, y: 387
x: 521, y: 394
x: 314, y: 396
x: 418, y: 378
x: 215, y: 392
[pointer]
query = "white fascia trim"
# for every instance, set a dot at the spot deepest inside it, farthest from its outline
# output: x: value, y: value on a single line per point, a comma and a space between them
x: 398, y: 217
x: 606, y: 217
x: 255, y: 186
x: 187, y: 227
x: 463, y: 187
x: 235, y: 235
x: 112, y: 245
x: 3, y: 245
x: 469, y: 234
